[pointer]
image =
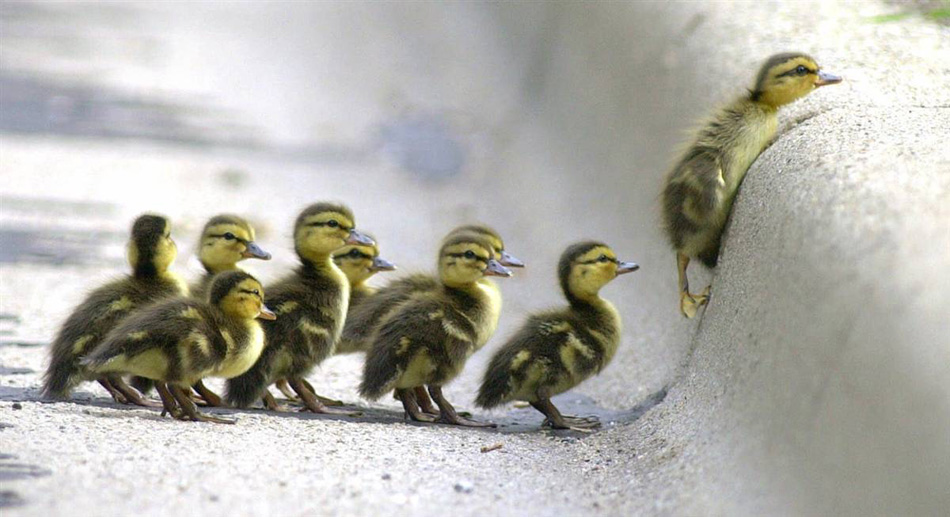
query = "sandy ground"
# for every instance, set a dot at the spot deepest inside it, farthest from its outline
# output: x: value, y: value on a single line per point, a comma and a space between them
x: 551, y: 124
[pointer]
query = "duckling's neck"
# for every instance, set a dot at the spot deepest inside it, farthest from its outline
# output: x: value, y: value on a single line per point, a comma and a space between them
x: 214, y: 269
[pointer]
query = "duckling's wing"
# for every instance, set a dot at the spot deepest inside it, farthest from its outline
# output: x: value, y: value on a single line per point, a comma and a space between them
x: 420, y: 343
x: 363, y: 317
x: 692, y: 193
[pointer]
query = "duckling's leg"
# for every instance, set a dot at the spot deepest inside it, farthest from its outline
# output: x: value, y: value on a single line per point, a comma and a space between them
x: 168, y: 401
x: 326, y: 401
x: 447, y: 413
x: 689, y: 303
x: 116, y: 395
x: 131, y: 396
x: 408, y: 399
x: 285, y: 389
x: 310, y: 400
x: 190, y: 410
x: 211, y: 398
x: 271, y: 403
x: 425, y: 403
x: 558, y: 421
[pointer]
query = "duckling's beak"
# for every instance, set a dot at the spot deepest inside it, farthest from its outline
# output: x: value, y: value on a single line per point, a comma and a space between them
x: 266, y: 314
x: 358, y: 238
x: 825, y: 78
x: 496, y: 269
x: 627, y: 267
x: 252, y: 250
x: 381, y: 264
x: 510, y: 260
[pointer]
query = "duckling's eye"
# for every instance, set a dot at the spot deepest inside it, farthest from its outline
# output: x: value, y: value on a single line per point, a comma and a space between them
x: 603, y: 258
x: 332, y: 223
x: 801, y: 70
x: 229, y: 236
x: 469, y: 254
x: 355, y: 254
x: 256, y: 291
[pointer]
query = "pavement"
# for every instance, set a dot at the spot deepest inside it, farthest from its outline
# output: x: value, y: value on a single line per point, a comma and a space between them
x: 816, y: 382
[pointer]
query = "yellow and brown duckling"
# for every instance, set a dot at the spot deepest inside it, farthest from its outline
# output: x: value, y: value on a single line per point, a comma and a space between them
x: 365, y: 316
x: 699, y: 191
x: 180, y: 341
x: 427, y: 339
x: 151, y: 251
x: 311, y: 304
x: 225, y: 240
x: 556, y: 350
x: 359, y: 262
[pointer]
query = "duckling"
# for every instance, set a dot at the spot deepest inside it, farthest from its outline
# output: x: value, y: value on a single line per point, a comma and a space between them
x: 312, y: 304
x: 226, y: 239
x: 426, y: 340
x: 151, y: 251
x: 181, y: 340
x: 359, y: 263
x: 366, y: 315
x: 699, y: 191
x: 556, y: 350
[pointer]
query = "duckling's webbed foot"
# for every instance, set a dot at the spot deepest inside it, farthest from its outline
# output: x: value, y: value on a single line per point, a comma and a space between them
x: 447, y: 413
x: 113, y: 392
x: 271, y: 403
x: 555, y: 420
x: 189, y: 411
x: 408, y: 399
x: 313, y: 403
x: 169, y: 405
x: 209, y: 397
x: 425, y: 403
x: 130, y: 394
x: 689, y: 303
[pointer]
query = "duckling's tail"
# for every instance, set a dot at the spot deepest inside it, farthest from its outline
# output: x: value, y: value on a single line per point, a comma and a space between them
x: 379, y: 373
x: 245, y: 389
x: 60, y: 378
x: 496, y: 385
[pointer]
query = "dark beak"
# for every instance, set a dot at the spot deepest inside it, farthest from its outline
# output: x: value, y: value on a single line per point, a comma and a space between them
x: 825, y: 78
x: 381, y: 264
x: 361, y: 239
x: 496, y: 269
x: 252, y: 250
x: 510, y: 260
x: 266, y: 314
x: 627, y: 267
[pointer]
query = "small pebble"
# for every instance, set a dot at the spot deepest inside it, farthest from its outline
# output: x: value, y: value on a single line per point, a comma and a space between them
x: 387, y: 476
x: 464, y: 487
x: 17, y: 405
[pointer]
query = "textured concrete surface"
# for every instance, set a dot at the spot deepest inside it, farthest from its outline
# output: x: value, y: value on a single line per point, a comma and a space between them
x: 816, y: 382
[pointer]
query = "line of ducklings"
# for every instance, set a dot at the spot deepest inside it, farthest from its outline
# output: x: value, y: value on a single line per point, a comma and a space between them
x: 417, y: 332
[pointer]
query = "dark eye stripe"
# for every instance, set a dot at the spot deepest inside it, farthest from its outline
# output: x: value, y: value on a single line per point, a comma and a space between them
x: 795, y: 71
x: 340, y: 226
x: 222, y: 236
x: 462, y: 255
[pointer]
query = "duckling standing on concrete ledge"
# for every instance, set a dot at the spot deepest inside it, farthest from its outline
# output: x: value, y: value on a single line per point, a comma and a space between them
x: 556, y: 350
x: 365, y: 316
x: 179, y: 341
x: 311, y: 304
x: 151, y: 251
x: 426, y: 340
x: 701, y: 187
x: 225, y: 240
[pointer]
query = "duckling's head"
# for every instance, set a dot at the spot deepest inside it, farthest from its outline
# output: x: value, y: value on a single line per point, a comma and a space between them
x: 239, y: 295
x: 502, y: 256
x: 324, y: 227
x: 361, y: 261
x: 151, y: 249
x: 466, y: 258
x: 586, y: 267
x: 787, y: 77
x: 226, y: 240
